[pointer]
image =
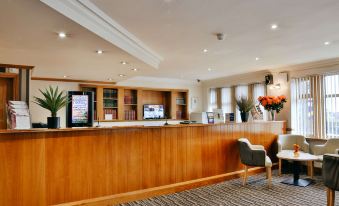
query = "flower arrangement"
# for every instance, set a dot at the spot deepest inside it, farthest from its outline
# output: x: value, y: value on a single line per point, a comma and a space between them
x: 296, y: 148
x: 272, y: 103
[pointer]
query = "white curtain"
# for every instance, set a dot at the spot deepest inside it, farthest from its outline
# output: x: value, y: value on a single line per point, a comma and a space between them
x: 213, y: 100
x: 259, y: 90
x: 240, y: 91
x: 226, y: 100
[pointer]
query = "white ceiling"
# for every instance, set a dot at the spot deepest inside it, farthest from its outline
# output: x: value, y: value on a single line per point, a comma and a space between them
x: 178, y: 30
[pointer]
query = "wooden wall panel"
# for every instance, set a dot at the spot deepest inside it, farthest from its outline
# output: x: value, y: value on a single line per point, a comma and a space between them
x: 58, y: 166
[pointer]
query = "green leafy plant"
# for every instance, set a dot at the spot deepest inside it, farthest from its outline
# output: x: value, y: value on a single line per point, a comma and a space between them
x: 244, y: 104
x: 53, y: 100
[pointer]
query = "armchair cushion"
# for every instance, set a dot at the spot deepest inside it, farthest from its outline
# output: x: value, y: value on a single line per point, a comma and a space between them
x: 331, y: 171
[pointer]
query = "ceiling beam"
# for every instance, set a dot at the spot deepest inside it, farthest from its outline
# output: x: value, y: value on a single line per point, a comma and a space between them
x: 71, y: 80
x: 88, y: 15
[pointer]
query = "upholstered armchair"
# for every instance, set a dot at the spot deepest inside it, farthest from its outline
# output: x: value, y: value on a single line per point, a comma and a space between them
x: 254, y: 155
x: 331, y: 176
x: 330, y: 147
x: 286, y: 142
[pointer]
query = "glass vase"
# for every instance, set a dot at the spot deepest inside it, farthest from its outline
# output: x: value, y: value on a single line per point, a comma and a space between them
x: 273, y: 114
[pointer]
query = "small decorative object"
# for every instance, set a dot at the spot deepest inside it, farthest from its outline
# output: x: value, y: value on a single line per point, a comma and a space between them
x: 244, y: 106
x: 273, y: 104
x: 257, y: 113
x: 53, y: 101
x: 296, y: 148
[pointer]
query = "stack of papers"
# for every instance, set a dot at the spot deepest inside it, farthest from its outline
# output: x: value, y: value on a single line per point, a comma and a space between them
x: 18, y: 116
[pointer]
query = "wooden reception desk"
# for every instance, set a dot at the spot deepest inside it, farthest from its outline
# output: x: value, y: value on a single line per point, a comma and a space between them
x: 47, y: 167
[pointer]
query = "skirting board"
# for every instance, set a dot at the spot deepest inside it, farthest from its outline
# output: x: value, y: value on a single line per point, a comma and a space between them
x: 162, y: 190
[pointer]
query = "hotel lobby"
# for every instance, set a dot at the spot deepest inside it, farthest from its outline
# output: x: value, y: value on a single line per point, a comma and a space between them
x: 169, y: 102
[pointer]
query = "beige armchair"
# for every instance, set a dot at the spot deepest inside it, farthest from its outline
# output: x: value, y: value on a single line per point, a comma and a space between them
x: 330, y: 147
x: 286, y: 142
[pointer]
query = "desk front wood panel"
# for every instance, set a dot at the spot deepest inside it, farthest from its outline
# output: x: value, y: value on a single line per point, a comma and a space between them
x: 47, y: 168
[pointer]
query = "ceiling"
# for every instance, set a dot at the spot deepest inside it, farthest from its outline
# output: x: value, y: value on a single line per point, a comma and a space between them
x: 178, y: 30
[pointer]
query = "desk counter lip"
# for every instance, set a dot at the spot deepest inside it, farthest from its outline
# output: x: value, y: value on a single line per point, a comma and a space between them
x: 44, y: 130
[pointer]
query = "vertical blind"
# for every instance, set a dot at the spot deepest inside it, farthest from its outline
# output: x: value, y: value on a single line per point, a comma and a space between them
x: 226, y: 100
x: 259, y: 90
x: 315, y: 106
x: 213, y: 100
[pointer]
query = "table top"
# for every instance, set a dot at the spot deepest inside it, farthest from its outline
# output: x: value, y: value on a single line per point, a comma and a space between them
x: 289, y: 155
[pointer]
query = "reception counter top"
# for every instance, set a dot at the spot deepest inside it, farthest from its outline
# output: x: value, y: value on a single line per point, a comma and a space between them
x: 77, y: 129
x: 55, y: 166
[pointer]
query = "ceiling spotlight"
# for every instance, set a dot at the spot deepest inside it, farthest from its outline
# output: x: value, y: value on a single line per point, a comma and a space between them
x: 62, y: 35
x: 134, y: 69
x: 123, y: 63
x: 205, y: 50
x: 257, y: 59
x: 100, y: 51
x: 109, y: 79
x: 122, y: 75
x: 209, y: 69
x: 274, y: 26
x: 327, y: 43
x: 65, y: 76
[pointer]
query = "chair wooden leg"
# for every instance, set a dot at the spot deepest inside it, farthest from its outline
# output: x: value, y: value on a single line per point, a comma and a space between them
x: 245, y: 175
x: 279, y: 170
x: 330, y: 197
x: 310, y: 169
x: 269, y: 176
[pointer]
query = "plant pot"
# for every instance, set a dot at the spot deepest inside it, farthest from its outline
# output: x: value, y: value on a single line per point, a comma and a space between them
x: 244, y: 116
x: 53, y: 122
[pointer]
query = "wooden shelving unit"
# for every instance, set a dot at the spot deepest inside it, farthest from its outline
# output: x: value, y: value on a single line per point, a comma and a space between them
x: 126, y: 103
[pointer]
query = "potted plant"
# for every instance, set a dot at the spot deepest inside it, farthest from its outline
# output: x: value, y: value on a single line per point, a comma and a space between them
x: 244, y: 106
x: 53, y: 101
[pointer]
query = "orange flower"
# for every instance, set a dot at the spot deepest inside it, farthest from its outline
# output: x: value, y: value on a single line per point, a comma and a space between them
x: 264, y: 103
x: 276, y: 100
x: 260, y: 98
x: 269, y: 101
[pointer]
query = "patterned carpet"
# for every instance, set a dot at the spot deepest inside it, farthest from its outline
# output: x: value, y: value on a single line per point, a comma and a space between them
x: 254, y: 193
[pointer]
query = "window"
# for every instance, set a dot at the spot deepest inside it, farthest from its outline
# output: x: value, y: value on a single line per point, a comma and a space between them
x: 315, y: 106
x: 213, y: 100
x: 332, y: 105
x: 226, y: 100
x: 302, y: 106
x: 240, y: 91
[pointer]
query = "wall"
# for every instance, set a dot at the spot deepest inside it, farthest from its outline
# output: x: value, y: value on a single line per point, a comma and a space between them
x: 312, y: 68
x: 39, y: 114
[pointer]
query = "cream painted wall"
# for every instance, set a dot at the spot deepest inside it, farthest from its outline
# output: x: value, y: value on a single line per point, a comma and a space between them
x: 39, y: 114
x: 293, y: 71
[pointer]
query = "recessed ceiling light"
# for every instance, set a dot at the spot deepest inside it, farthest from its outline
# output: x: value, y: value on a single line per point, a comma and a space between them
x: 109, y: 79
x: 134, y: 69
x: 65, y: 76
x: 100, y: 51
x: 209, y: 69
x: 327, y: 43
x: 123, y: 63
x: 274, y: 26
x: 257, y: 59
x: 62, y: 35
x: 205, y: 50
x: 122, y: 75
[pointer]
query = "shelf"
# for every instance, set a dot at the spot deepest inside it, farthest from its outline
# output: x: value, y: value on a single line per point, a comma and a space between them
x: 109, y: 98
x: 110, y: 107
x: 130, y: 104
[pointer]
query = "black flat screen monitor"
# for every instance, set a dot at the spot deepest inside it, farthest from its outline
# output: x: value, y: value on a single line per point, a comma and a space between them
x: 80, y: 109
x: 154, y: 111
